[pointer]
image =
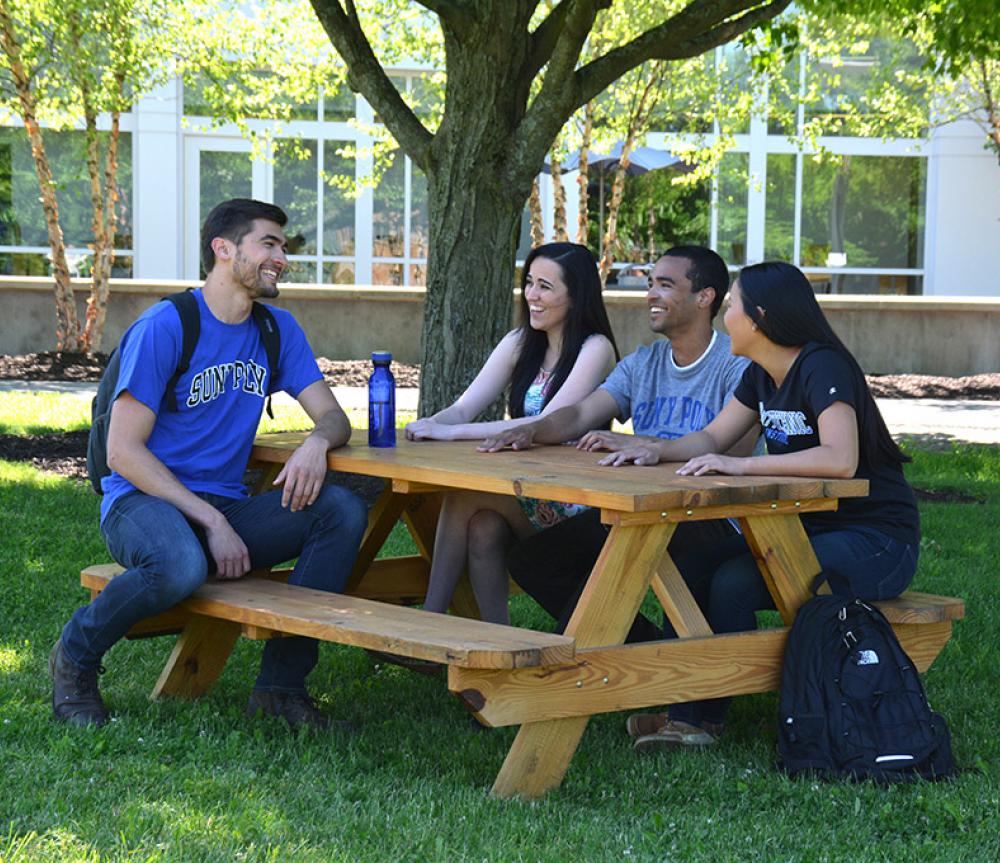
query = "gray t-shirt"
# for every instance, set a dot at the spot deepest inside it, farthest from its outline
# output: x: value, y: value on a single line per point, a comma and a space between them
x: 668, y: 401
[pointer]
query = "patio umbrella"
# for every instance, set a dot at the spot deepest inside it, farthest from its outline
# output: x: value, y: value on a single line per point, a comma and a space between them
x: 641, y: 161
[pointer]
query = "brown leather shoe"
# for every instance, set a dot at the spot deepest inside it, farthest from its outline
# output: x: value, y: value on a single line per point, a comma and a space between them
x: 296, y: 708
x: 76, y: 698
x: 640, y: 724
x: 674, y: 733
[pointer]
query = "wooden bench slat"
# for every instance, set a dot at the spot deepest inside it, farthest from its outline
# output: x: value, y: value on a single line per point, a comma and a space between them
x: 916, y: 607
x: 260, y: 602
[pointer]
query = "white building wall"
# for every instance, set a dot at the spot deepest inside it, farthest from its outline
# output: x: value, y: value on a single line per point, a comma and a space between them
x: 963, y: 214
x: 158, y: 184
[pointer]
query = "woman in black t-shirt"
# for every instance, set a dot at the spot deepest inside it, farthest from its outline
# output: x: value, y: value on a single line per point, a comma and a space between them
x: 809, y: 397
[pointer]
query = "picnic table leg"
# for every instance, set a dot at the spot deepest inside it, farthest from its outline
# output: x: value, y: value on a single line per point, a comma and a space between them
x: 785, y: 558
x: 541, y: 752
x: 198, y: 657
x: 381, y: 520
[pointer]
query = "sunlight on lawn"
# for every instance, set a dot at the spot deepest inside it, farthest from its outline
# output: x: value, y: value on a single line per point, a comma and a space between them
x: 24, y: 413
x: 12, y: 659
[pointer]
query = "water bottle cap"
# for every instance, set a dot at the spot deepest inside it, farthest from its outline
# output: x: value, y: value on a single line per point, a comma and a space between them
x: 381, y: 357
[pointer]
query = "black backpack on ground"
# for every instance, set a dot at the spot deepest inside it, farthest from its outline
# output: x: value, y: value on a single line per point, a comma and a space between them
x: 187, y: 308
x: 852, y: 704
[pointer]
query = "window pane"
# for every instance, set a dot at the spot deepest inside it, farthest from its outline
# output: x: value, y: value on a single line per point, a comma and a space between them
x: 852, y: 81
x: 338, y: 105
x: 732, y: 214
x: 524, y: 238
x: 418, y: 275
x: 338, y: 273
x: 22, y: 220
x: 779, y: 218
x: 387, y: 217
x: 833, y: 282
x: 223, y: 175
x: 338, y: 206
x: 295, y: 175
x: 864, y: 211
x: 419, y: 229
x: 300, y: 272
x: 387, y: 274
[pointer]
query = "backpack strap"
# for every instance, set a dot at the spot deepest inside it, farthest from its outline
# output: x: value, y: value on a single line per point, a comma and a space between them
x: 187, y: 308
x: 270, y: 335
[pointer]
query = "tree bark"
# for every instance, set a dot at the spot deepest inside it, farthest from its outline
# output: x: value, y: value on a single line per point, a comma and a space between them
x: 67, y: 324
x: 560, y: 231
x: 535, y: 215
x: 583, y: 177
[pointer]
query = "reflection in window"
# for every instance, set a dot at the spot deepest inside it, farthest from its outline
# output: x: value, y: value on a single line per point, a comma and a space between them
x: 863, y: 211
x: 222, y: 175
x: 731, y: 237
x: 387, y: 217
x: 295, y: 170
x: 22, y: 220
x: 863, y: 283
x: 387, y: 274
x: 419, y: 228
x: 779, y: 218
x: 338, y: 105
x: 338, y: 273
x: 338, y: 206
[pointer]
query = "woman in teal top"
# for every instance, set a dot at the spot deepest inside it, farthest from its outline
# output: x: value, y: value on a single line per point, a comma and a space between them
x: 560, y: 353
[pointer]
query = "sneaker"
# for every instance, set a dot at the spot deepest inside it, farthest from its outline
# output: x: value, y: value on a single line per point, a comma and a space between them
x: 640, y: 724
x: 76, y: 697
x: 674, y: 733
x: 296, y: 708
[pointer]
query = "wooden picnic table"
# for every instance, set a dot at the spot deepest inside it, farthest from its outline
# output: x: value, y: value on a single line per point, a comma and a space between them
x: 642, y: 507
x: 550, y: 685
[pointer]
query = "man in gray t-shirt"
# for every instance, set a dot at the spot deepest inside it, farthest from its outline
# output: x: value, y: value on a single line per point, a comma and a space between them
x: 667, y: 389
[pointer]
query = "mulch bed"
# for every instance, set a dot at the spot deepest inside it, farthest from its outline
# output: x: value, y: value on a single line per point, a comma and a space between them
x: 65, y: 453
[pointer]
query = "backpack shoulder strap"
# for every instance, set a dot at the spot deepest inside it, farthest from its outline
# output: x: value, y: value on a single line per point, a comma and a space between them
x: 270, y: 335
x: 187, y: 308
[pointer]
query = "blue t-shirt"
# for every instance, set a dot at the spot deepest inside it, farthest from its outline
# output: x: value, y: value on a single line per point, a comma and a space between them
x: 206, y: 442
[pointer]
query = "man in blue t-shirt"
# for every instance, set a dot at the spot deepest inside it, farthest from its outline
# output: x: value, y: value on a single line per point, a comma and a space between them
x: 175, y: 509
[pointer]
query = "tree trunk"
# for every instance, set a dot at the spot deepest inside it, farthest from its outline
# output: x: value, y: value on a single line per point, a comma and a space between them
x: 104, y: 197
x: 535, y: 215
x: 474, y: 220
x: 560, y: 231
x: 470, y: 280
x: 583, y: 217
x: 67, y: 324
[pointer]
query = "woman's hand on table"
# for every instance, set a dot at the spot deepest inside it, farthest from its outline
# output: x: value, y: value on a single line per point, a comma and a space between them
x: 601, y: 439
x: 638, y: 453
x: 427, y: 429
x: 520, y: 437
x: 712, y: 463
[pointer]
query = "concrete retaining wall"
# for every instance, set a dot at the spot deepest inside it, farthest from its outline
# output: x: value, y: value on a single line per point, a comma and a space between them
x: 889, y: 335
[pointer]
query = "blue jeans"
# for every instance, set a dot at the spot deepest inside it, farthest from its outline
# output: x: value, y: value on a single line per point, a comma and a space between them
x: 166, y: 558
x: 859, y: 562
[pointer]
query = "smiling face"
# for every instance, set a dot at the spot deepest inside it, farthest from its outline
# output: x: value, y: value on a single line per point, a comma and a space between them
x: 546, y: 296
x: 260, y: 259
x: 739, y: 324
x: 672, y: 304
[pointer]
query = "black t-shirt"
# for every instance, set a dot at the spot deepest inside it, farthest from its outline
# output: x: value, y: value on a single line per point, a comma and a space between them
x: 789, y: 415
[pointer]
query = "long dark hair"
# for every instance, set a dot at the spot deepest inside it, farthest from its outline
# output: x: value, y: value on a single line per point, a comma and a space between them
x: 585, y: 316
x: 791, y: 317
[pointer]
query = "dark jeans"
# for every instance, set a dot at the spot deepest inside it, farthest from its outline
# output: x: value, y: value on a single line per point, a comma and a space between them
x: 166, y: 559
x: 552, y: 566
x: 860, y: 563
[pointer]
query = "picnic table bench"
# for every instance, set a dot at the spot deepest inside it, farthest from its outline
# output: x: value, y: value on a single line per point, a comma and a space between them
x: 549, y: 684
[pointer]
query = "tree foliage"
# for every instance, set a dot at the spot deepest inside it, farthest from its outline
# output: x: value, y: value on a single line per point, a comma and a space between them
x: 65, y: 64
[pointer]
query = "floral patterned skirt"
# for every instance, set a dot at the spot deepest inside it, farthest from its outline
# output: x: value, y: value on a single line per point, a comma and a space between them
x: 545, y: 513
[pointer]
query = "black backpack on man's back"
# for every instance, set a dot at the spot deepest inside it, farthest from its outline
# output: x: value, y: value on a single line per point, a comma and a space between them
x: 852, y: 704
x: 187, y: 308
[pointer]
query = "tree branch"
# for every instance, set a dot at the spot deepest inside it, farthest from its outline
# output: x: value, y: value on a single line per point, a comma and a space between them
x: 546, y: 35
x: 367, y: 77
x: 453, y: 11
x: 697, y: 28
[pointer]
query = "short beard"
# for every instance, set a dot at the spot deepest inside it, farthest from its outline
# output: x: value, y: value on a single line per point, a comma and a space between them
x: 255, y: 285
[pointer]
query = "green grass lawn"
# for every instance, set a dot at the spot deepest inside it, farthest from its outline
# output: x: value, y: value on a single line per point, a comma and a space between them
x: 175, y: 781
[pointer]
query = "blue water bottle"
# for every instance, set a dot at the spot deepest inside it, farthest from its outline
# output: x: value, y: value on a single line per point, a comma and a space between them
x: 381, y: 402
